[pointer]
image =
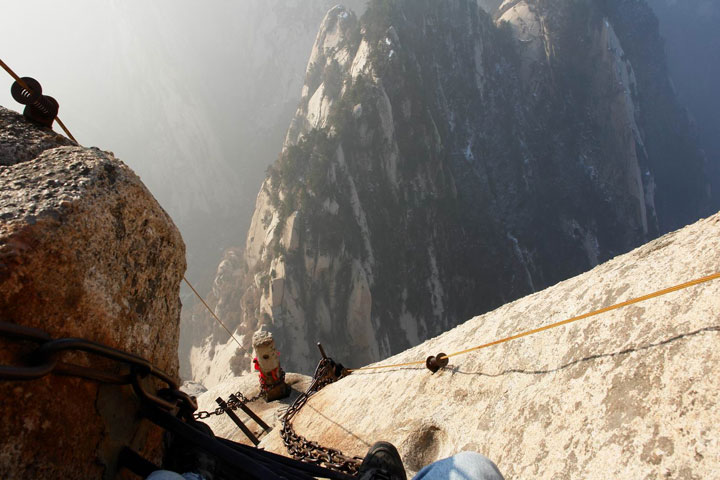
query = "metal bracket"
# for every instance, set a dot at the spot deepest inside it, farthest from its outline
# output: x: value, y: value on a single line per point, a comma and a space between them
x: 436, y: 362
x: 38, y: 107
x: 241, y: 425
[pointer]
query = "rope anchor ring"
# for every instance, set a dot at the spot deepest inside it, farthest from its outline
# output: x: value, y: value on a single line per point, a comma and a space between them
x: 436, y: 362
x: 38, y: 107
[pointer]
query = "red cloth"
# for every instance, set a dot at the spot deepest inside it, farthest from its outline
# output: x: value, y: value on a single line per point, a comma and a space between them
x: 275, y: 373
x: 256, y: 364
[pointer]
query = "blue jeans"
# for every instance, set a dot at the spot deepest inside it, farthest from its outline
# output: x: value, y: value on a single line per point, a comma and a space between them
x: 168, y: 475
x: 463, y: 466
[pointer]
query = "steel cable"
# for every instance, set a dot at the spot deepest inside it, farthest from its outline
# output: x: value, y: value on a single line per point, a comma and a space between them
x: 593, y: 313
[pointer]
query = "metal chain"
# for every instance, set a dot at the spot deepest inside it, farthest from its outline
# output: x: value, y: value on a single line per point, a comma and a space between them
x: 299, y: 447
x: 266, y: 387
x: 45, y: 359
x: 169, y: 408
x: 232, y: 404
x: 241, y: 399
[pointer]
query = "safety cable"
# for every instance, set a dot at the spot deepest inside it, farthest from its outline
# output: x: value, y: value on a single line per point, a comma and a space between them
x: 593, y: 313
x: 213, y: 314
x: 26, y: 87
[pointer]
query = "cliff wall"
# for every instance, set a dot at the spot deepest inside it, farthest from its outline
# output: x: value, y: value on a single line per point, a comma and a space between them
x: 85, y: 251
x: 442, y: 163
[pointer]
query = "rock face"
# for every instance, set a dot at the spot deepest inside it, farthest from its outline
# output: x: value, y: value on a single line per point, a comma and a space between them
x: 441, y: 164
x: 629, y: 394
x: 85, y: 251
x: 263, y: 72
x: 490, y: 6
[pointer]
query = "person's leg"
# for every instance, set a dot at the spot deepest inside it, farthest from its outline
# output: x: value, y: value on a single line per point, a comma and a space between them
x: 164, y: 475
x: 463, y: 466
x: 168, y: 475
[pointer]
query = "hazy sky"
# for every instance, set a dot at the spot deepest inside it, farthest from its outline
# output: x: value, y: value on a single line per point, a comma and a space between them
x: 194, y: 95
x: 85, y: 51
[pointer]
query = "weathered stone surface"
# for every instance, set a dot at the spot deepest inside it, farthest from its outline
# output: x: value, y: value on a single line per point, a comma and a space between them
x: 22, y: 141
x: 85, y: 251
x: 193, y: 388
x: 265, y: 352
x: 629, y: 394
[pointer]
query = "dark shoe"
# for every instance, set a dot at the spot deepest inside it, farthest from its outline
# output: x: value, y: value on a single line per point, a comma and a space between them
x: 382, y: 462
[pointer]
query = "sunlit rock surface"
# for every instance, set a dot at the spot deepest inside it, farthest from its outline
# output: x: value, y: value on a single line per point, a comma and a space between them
x: 628, y: 394
x: 85, y: 251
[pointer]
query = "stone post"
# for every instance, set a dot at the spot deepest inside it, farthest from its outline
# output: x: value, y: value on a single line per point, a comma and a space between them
x: 267, y: 363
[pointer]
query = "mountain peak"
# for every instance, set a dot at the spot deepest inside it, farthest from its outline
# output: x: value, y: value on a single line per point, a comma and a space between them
x: 440, y: 165
x: 334, y: 49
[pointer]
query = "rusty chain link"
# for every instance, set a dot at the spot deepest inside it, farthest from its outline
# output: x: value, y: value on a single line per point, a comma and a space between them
x: 299, y: 447
x: 267, y: 386
x: 231, y: 404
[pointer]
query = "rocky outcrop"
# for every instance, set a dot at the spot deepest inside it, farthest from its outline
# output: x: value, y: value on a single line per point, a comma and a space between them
x: 85, y: 251
x: 19, y: 143
x: 629, y: 394
x: 441, y: 164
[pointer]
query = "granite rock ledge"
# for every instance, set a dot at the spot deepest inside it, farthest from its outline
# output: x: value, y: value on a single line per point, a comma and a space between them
x: 85, y: 251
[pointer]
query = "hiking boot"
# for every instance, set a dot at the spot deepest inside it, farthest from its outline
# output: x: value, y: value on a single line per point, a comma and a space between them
x: 382, y: 462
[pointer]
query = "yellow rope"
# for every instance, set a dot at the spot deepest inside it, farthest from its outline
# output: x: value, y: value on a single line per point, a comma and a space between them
x: 659, y: 293
x: 67, y: 132
x: 213, y: 314
x: 25, y: 86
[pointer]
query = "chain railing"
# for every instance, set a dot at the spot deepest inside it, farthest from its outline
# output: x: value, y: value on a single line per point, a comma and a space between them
x: 308, y: 451
x: 233, y: 403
